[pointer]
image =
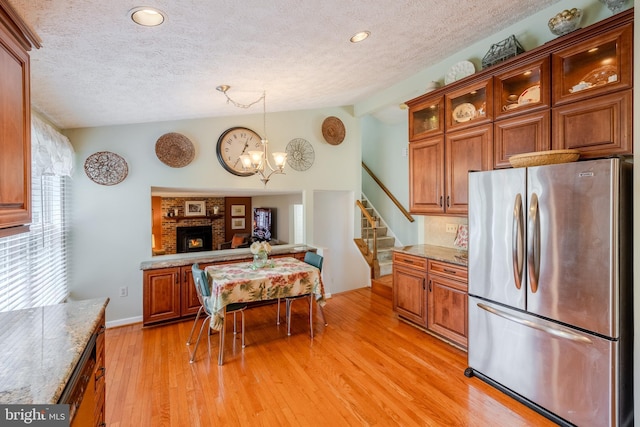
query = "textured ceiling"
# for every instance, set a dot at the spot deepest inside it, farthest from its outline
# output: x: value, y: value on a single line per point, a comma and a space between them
x: 96, y: 67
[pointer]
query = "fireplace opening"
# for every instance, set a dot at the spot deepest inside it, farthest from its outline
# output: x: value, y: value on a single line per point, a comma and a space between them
x: 193, y: 239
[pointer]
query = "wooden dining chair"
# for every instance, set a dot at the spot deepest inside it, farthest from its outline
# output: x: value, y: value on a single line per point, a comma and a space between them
x: 204, y: 292
x: 316, y: 260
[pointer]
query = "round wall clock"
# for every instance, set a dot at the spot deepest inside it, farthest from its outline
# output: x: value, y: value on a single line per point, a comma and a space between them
x: 233, y: 143
x: 300, y: 154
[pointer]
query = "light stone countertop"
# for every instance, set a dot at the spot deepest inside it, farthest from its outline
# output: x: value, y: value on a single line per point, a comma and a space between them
x: 438, y: 253
x: 179, y: 260
x: 40, y: 348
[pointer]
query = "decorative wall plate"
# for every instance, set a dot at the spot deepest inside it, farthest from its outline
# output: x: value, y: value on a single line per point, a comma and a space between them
x: 300, y: 154
x: 333, y: 130
x: 175, y: 150
x: 106, y: 168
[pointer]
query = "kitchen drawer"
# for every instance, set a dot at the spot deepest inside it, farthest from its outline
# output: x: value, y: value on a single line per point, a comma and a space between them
x: 452, y: 271
x: 412, y: 261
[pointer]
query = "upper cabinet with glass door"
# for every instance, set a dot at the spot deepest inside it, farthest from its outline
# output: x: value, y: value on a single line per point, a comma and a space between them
x: 426, y: 118
x: 523, y: 89
x: 470, y: 105
x: 599, y: 65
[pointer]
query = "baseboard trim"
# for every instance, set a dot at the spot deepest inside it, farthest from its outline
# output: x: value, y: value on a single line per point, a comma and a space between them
x: 123, y: 322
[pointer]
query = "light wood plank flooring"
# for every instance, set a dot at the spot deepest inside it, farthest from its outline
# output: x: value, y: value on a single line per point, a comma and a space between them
x: 366, y: 368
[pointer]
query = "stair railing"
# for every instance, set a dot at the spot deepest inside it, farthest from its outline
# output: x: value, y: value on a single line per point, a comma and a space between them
x: 388, y: 193
x: 369, y: 253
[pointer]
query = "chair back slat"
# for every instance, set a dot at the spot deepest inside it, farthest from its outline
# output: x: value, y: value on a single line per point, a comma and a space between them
x: 201, y: 281
x: 314, y: 259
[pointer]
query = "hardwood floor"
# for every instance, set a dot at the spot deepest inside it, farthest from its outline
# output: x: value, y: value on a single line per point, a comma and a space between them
x: 366, y: 368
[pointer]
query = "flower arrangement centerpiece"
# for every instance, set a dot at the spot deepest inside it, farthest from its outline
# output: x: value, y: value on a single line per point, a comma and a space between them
x: 260, y: 251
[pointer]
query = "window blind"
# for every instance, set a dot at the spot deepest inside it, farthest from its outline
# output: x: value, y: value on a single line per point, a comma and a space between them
x: 34, y: 265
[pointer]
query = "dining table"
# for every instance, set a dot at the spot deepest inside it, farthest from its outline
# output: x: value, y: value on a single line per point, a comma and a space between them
x: 245, y: 282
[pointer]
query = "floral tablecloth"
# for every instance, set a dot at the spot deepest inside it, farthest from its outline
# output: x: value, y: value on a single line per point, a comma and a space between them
x: 281, y: 277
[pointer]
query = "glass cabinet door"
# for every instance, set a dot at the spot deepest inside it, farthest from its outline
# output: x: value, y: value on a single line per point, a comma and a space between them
x: 425, y: 118
x: 595, y: 67
x: 523, y: 89
x: 470, y: 105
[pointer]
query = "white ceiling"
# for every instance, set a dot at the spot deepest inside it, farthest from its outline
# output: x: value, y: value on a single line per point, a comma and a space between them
x: 96, y: 67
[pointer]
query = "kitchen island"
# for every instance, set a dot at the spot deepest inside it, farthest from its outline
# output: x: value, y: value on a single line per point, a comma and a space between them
x: 44, y: 351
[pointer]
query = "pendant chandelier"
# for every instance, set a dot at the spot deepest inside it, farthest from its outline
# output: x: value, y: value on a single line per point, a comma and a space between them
x: 258, y: 161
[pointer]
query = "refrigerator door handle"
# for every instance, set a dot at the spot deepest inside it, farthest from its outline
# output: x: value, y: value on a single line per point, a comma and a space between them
x: 533, y: 248
x: 517, y: 239
x: 556, y: 330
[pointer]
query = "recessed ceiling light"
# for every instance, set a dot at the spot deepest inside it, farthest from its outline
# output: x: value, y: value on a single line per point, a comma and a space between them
x: 147, y: 16
x: 358, y: 37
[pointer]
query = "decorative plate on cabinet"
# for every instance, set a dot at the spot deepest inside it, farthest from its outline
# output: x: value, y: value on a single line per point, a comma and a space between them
x: 106, y: 168
x: 459, y: 71
x: 464, y: 112
x: 530, y: 95
x: 300, y: 154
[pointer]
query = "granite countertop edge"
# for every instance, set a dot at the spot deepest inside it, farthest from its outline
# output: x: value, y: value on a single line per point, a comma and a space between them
x: 437, y: 253
x: 180, y: 260
x: 41, y: 348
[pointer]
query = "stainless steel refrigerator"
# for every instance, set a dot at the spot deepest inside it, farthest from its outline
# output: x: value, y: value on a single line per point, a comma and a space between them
x: 550, y: 288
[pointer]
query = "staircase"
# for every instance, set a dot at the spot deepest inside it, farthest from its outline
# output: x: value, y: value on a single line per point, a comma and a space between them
x: 386, y: 242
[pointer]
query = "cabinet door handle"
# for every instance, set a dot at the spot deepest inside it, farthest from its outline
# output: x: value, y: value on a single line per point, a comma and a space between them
x: 440, y: 201
x: 101, y: 373
x: 429, y: 285
x: 448, y: 201
x: 408, y: 261
x: 446, y: 270
x: 177, y: 276
x: 423, y: 288
x: 102, y: 329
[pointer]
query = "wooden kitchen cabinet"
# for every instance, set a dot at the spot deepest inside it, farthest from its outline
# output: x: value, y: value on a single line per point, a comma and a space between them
x: 600, y: 64
x: 574, y: 92
x: 465, y: 150
x: 438, y: 169
x: 522, y: 89
x: 15, y: 122
x: 426, y: 118
x: 169, y: 294
x: 447, y: 301
x: 598, y: 127
x: 432, y: 295
x: 409, y: 287
x: 520, y: 134
x: 470, y: 105
x: 161, y: 295
x: 426, y: 175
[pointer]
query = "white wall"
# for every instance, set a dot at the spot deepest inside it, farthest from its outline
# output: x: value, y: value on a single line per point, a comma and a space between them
x: 384, y: 151
x: 111, y: 225
x: 334, y: 235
